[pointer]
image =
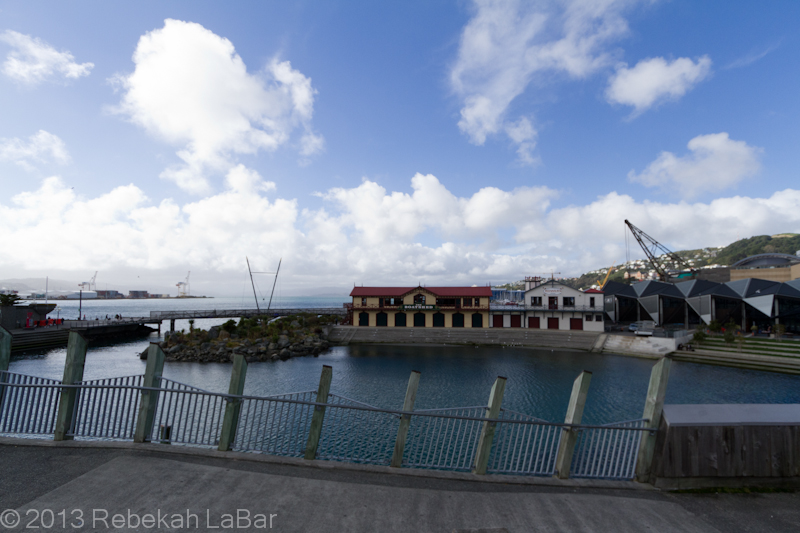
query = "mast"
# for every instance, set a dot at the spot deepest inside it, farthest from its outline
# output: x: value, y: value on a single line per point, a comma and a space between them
x: 273, y: 283
x: 253, y: 284
x: 649, y: 249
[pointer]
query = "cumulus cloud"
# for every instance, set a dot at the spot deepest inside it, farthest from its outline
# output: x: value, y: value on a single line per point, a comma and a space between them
x: 716, y: 162
x: 40, y: 147
x: 32, y: 61
x: 364, y: 233
x: 507, y: 44
x: 655, y: 80
x: 191, y: 89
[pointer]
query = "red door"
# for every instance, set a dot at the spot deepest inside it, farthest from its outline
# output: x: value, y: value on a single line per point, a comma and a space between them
x: 552, y: 322
x: 533, y: 322
x: 575, y: 323
x: 497, y: 321
x: 516, y: 321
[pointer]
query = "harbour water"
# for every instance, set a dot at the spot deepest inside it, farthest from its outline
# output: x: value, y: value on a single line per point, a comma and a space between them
x: 539, y: 381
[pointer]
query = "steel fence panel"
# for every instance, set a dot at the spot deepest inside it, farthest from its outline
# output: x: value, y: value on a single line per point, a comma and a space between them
x: 608, y: 452
x: 28, y: 404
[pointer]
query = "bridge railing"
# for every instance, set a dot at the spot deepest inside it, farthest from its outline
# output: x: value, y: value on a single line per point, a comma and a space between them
x: 238, y: 313
x: 352, y: 431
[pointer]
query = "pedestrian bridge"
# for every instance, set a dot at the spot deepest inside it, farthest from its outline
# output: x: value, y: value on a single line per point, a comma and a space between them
x: 238, y: 313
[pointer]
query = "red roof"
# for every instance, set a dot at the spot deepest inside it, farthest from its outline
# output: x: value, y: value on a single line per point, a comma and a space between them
x: 438, y: 291
x: 593, y: 291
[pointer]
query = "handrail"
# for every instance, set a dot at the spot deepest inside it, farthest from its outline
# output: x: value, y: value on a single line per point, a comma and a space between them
x: 364, y: 407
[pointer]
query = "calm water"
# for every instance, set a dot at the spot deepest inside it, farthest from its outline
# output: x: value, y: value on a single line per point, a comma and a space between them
x: 539, y: 381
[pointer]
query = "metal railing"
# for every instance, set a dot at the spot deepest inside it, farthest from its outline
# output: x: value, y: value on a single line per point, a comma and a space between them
x: 107, y: 408
x: 238, y: 313
x: 609, y: 451
x: 352, y: 431
x: 28, y: 404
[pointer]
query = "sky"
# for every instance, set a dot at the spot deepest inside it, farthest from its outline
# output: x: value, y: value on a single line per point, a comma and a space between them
x: 387, y: 143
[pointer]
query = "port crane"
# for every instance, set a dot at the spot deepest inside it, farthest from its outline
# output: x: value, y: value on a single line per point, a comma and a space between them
x: 602, y: 284
x: 183, y: 286
x: 651, y: 246
x: 89, y: 285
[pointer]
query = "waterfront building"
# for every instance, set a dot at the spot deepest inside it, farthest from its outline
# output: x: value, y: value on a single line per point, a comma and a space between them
x: 444, y: 307
x: 137, y: 294
x: 554, y: 305
x: 773, y: 267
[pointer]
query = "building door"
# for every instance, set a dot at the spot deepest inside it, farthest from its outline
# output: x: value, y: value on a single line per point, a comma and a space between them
x: 533, y: 322
x: 516, y: 321
x: 575, y: 323
x: 497, y: 321
x: 400, y: 320
x: 458, y: 320
x: 363, y: 319
x: 419, y: 320
x: 438, y: 320
x: 381, y: 319
x: 552, y: 302
x: 552, y: 322
x: 477, y: 320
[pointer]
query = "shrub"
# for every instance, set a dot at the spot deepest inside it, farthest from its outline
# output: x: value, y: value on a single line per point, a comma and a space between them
x: 229, y: 326
x: 699, y: 335
x: 715, y: 326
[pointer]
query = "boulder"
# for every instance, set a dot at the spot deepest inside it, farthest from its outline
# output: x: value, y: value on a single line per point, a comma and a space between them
x: 285, y: 354
x: 283, y: 341
x: 213, y: 333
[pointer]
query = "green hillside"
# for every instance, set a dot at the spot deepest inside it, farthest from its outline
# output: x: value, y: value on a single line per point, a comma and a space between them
x: 784, y: 243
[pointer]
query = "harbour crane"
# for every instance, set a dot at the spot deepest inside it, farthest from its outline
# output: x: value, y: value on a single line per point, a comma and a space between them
x: 602, y: 284
x: 650, y: 246
x: 183, y: 286
x: 89, y: 285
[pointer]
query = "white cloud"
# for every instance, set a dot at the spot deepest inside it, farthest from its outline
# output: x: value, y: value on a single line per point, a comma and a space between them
x: 32, y: 61
x: 716, y: 162
x: 365, y: 234
x: 655, y: 80
x: 524, y: 135
x: 39, y: 147
x: 191, y: 89
x: 506, y: 44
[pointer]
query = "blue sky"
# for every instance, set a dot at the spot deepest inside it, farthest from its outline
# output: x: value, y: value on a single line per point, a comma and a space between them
x: 434, y: 142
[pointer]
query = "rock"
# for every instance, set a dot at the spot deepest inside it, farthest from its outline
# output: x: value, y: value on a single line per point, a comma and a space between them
x: 294, y: 324
x: 143, y: 355
x: 224, y: 335
x: 283, y: 341
x: 285, y: 354
x: 274, y: 357
x: 175, y: 349
x: 213, y: 333
x: 205, y: 346
x: 252, y: 351
x: 272, y: 346
x: 284, y: 332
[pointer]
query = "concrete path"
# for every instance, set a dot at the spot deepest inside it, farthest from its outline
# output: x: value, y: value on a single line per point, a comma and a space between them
x: 195, y: 491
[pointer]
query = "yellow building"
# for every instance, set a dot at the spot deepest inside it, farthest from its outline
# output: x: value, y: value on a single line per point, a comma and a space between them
x: 422, y: 307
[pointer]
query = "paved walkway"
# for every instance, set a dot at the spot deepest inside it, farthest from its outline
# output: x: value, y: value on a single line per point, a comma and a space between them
x: 194, y: 490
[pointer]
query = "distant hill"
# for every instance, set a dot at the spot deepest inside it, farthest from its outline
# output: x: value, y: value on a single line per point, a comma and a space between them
x: 784, y: 243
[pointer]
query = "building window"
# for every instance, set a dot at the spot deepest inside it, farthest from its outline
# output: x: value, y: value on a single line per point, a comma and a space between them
x: 588, y: 318
x: 467, y: 302
x: 419, y: 299
x: 536, y: 300
x: 598, y: 318
x: 477, y: 302
x: 591, y: 301
x: 380, y: 302
x: 569, y: 301
x: 446, y: 302
x: 363, y: 301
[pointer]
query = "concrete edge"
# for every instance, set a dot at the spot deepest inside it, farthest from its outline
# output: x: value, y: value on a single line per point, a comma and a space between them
x: 197, y: 452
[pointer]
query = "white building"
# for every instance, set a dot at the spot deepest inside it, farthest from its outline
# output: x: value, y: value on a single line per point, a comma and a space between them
x: 553, y: 305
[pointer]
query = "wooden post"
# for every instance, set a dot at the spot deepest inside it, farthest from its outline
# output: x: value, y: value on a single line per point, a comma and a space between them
x: 319, y: 413
x: 147, y: 405
x: 73, y: 373
x: 487, y: 433
x: 234, y: 405
x: 569, y: 436
x: 654, y: 405
x: 405, y: 420
x: 5, y: 349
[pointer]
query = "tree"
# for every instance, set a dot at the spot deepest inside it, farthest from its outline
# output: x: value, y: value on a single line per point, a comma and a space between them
x: 699, y: 335
x: 7, y: 300
x: 780, y: 329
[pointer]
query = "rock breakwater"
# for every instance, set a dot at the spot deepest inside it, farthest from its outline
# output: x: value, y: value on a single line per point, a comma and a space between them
x: 257, y: 339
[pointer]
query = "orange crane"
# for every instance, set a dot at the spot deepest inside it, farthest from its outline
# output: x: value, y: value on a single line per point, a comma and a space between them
x: 608, y: 274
